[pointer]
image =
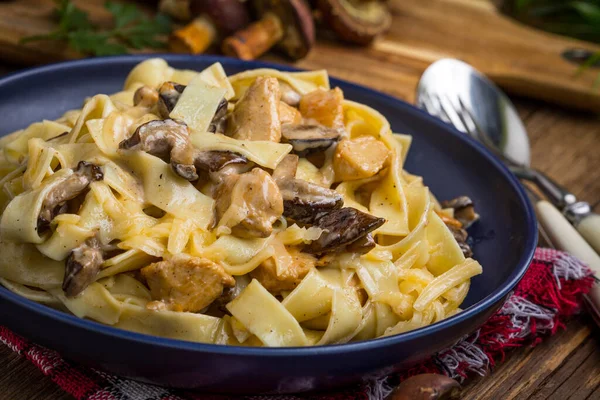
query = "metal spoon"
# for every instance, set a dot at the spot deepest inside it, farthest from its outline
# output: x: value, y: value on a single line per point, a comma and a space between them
x: 458, y: 94
x: 461, y: 96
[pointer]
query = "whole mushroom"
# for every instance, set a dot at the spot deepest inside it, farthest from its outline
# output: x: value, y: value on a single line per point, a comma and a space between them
x: 285, y: 23
x: 356, y: 21
x: 212, y: 18
x: 426, y: 387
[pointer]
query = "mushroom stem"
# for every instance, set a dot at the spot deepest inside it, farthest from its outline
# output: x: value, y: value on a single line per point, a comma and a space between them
x: 256, y: 39
x: 193, y: 38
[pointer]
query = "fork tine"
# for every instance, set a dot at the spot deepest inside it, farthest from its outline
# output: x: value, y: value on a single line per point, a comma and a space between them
x: 475, y: 129
x: 426, y: 104
x: 451, y: 113
x: 466, y: 119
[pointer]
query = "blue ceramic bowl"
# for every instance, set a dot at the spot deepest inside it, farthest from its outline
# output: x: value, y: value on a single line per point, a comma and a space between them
x: 451, y: 164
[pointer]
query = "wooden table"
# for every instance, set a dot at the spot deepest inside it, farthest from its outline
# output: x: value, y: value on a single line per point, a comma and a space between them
x: 566, y: 145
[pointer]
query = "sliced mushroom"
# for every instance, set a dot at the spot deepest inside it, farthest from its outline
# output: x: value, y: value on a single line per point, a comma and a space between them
x: 356, y: 21
x: 426, y: 387
x: 343, y: 227
x: 167, y: 139
x: 211, y: 161
x: 460, y: 234
x: 82, y: 266
x: 74, y: 185
x: 286, y: 23
x: 309, y: 139
x: 145, y: 96
x: 217, y: 124
x: 303, y: 202
x: 464, y: 210
x: 168, y: 94
x: 362, y: 245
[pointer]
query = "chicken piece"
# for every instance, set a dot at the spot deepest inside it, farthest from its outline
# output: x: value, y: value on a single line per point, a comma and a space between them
x: 359, y: 158
x: 289, y: 114
x: 256, y: 114
x: 249, y: 203
x: 324, y: 106
x: 185, y: 283
x: 294, y: 266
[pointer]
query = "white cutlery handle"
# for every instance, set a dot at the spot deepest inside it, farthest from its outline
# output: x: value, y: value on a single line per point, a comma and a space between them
x: 589, y: 228
x: 565, y: 237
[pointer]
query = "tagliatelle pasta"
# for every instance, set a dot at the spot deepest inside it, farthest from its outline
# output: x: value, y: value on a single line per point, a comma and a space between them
x: 259, y: 209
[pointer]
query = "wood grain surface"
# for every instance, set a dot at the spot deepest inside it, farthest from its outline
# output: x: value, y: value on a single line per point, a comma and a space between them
x: 565, y: 144
x: 523, y: 60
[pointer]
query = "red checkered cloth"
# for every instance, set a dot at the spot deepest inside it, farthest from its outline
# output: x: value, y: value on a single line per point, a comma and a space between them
x: 550, y: 292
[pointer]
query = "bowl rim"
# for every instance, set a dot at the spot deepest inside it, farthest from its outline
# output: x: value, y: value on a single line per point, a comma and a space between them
x: 480, y: 307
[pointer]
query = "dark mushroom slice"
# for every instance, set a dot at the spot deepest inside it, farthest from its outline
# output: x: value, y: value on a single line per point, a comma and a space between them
x: 342, y: 227
x: 362, y: 245
x: 461, y: 236
x: 168, y: 94
x: 464, y: 210
x: 218, y: 123
x: 82, y: 267
x: 309, y: 139
x: 426, y: 387
x: 285, y: 23
x: 212, y: 161
x: 211, y: 19
x: 303, y: 202
x: 356, y: 21
x: 169, y: 140
x: 74, y: 185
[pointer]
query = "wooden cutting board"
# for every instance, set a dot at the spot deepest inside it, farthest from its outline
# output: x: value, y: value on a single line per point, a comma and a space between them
x: 524, y: 61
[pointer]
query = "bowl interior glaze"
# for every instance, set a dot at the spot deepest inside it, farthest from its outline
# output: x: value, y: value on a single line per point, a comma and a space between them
x: 451, y: 165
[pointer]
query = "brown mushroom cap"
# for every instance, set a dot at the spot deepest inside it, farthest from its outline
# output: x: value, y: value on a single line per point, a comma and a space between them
x: 464, y: 210
x: 168, y: 94
x: 75, y: 184
x: 296, y: 19
x: 227, y: 15
x: 343, y: 227
x: 212, y: 161
x: 309, y: 139
x: 356, y: 22
x: 426, y: 387
x: 303, y: 202
x: 82, y: 266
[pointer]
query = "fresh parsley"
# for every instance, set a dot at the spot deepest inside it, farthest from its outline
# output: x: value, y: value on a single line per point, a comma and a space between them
x: 132, y: 29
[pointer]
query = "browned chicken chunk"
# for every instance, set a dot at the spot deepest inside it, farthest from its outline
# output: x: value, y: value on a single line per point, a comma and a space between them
x: 294, y: 265
x: 256, y: 114
x: 249, y: 203
x: 324, y: 106
x: 289, y: 114
x: 185, y: 283
x: 359, y: 158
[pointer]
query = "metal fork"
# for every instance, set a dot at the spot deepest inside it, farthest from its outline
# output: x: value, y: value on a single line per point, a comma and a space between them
x: 456, y: 113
